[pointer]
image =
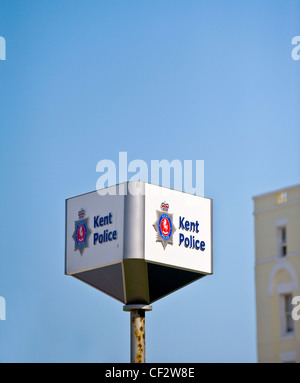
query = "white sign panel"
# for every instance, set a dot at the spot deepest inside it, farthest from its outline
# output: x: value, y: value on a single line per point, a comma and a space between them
x: 94, y: 231
x: 178, y: 229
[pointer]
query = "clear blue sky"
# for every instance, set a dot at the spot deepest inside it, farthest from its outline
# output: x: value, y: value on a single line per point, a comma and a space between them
x: 84, y: 80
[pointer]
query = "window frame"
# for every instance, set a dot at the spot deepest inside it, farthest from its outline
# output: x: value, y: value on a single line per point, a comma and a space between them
x: 281, y: 238
x: 285, y: 290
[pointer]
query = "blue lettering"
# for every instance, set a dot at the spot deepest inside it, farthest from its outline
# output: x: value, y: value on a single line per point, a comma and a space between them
x: 96, y: 223
x: 181, y: 223
x: 186, y: 242
x: 202, y: 246
x: 181, y: 238
x: 103, y: 221
x: 105, y: 236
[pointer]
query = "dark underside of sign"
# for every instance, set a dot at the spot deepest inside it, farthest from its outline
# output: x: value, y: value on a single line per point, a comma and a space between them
x: 135, y: 281
x: 107, y: 279
x: 170, y: 279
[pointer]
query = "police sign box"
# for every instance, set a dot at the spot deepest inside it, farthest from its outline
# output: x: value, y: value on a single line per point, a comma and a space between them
x: 138, y: 242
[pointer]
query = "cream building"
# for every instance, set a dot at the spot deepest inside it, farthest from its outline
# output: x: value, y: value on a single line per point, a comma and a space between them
x: 277, y: 274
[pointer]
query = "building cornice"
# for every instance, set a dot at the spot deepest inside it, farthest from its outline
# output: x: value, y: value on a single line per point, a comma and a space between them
x: 276, y: 191
x: 274, y: 207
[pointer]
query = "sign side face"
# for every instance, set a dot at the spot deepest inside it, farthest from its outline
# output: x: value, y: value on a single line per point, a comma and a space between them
x: 178, y: 229
x: 94, y: 231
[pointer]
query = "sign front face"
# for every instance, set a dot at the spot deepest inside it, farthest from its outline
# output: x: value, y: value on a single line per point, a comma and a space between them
x: 178, y: 229
x: 94, y: 231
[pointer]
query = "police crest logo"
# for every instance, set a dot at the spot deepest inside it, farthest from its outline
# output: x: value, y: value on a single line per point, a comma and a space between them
x: 81, y: 233
x: 164, y: 226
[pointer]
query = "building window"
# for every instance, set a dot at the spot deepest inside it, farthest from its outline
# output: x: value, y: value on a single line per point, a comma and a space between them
x: 287, y: 320
x: 281, y: 197
x: 288, y: 357
x: 282, y: 243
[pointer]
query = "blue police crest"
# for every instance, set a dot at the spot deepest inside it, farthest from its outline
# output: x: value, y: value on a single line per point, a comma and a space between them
x: 82, y: 232
x: 164, y: 226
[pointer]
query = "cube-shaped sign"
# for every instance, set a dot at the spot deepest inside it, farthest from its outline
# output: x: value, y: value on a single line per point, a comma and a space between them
x: 138, y: 242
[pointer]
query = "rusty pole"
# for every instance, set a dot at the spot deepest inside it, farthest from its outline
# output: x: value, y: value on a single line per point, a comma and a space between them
x: 137, y: 331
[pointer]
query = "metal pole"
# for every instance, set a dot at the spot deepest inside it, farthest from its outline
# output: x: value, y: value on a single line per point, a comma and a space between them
x: 137, y: 331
